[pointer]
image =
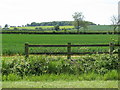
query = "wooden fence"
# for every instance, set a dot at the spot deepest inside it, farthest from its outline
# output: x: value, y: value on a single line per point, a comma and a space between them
x: 69, y: 53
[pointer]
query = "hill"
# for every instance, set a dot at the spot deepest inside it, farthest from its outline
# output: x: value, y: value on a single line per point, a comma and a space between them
x: 53, y: 23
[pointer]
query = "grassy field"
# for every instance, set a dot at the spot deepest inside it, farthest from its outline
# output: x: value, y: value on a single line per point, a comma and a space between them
x: 61, y: 84
x: 100, y: 28
x: 14, y: 43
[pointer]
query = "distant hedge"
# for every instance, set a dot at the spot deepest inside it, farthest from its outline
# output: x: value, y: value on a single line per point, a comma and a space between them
x: 38, y: 32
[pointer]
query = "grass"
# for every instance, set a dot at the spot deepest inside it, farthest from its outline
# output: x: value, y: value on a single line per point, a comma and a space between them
x: 61, y: 84
x: 111, y: 75
x: 14, y: 43
x: 100, y: 28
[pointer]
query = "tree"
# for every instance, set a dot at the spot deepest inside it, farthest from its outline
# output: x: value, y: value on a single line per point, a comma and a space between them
x: 33, y: 24
x: 78, y: 20
x: 84, y: 24
x: 115, y: 22
x: 56, y: 27
x: 15, y: 28
x: 6, y: 26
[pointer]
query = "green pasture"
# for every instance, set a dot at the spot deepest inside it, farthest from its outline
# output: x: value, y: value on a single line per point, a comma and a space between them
x: 14, y: 43
x: 100, y: 27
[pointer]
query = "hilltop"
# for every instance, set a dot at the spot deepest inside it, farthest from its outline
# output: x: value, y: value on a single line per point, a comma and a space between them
x: 53, y: 23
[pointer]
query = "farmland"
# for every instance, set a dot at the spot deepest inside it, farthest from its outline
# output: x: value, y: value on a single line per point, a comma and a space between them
x: 85, y: 69
x: 14, y: 43
x: 90, y: 28
x: 44, y: 45
x: 43, y: 27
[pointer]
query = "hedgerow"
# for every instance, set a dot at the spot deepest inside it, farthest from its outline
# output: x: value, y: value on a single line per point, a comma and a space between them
x: 39, y: 65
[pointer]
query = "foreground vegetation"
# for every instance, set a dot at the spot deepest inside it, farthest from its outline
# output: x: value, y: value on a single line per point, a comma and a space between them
x: 89, y: 71
x: 14, y: 43
x: 94, y: 67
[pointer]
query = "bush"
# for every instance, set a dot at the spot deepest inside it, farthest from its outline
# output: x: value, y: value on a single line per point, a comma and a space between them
x: 38, y: 65
x: 57, y: 28
x: 15, y: 28
x: 36, y: 28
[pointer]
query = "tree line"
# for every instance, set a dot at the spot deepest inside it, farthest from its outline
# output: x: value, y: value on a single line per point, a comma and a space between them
x: 54, y: 23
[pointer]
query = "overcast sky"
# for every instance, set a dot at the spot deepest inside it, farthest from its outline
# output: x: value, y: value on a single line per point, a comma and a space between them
x: 21, y: 12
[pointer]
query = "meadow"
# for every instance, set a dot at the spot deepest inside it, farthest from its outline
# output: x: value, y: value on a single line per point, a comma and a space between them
x: 14, y: 43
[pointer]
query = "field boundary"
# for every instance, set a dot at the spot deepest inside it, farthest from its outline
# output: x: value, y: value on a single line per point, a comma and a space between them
x: 39, y: 32
x: 69, y: 53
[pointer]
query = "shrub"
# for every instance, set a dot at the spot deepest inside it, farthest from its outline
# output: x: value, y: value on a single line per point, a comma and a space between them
x: 15, y: 28
x: 38, y: 65
x: 57, y: 28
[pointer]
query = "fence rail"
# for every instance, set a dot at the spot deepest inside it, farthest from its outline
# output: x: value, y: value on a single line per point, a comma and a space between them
x: 100, y: 45
x: 69, y: 53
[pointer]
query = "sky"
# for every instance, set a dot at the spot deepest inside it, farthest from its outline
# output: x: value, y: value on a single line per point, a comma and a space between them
x: 21, y: 12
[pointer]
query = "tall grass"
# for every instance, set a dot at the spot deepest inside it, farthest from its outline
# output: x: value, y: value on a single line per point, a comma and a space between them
x: 111, y: 75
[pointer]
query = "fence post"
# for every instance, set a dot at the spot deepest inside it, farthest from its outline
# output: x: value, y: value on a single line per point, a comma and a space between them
x: 111, y: 48
x: 69, y: 51
x: 26, y: 50
x: 119, y: 51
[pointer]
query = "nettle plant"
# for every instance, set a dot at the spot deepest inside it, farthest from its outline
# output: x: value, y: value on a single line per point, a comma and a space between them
x: 38, y: 65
